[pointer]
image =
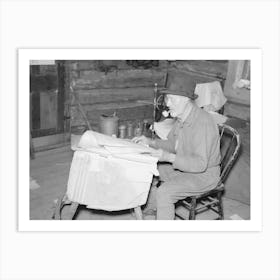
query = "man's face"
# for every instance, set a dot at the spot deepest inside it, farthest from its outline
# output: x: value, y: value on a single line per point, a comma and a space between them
x: 176, y: 104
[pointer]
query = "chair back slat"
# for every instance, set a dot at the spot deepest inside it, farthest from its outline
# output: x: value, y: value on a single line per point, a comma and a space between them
x: 230, y: 147
x: 226, y: 153
x: 221, y: 131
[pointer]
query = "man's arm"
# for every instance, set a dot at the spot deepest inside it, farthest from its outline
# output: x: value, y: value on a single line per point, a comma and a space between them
x: 194, y: 158
x: 166, y: 145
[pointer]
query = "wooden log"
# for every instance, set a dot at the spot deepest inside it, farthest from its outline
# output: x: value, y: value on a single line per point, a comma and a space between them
x: 108, y: 65
x: 102, y: 65
x: 93, y: 96
x: 124, y: 110
x: 119, y: 79
x: 86, y: 65
x: 186, y: 81
x: 208, y: 67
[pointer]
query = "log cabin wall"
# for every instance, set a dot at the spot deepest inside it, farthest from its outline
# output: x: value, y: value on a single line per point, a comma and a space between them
x: 126, y: 87
x: 105, y: 87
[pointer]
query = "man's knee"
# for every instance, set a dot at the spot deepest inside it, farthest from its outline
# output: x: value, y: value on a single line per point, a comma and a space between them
x: 165, y: 171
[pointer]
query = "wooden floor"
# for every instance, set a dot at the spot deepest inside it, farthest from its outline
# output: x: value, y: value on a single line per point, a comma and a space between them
x: 50, y: 170
x: 49, y: 173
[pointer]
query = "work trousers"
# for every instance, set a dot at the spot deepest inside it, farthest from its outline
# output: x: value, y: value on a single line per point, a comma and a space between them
x: 171, y: 190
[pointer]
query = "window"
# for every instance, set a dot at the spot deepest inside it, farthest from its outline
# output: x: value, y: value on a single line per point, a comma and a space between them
x: 242, y: 78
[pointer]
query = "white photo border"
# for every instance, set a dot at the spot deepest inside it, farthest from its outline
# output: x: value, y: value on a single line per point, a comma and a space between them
x: 24, y: 57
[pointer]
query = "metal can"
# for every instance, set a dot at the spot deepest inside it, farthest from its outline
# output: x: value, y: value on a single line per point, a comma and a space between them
x: 122, y: 129
x: 130, y: 130
x: 146, y: 127
x: 138, y: 130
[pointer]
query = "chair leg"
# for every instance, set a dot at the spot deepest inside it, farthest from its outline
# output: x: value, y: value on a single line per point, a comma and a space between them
x: 73, y: 209
x: 192, y: 210
x: 57, y: 211
x: 220, y: 206
x: 59, y: 206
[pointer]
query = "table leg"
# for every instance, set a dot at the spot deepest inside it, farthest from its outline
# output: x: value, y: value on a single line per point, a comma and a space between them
x: 69, y: 213
x: 138, y: 213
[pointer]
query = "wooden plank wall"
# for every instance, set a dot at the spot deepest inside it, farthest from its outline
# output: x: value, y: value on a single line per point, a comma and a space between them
x: 43, y: 98
x: 108, y: 86
x: 48, y: 109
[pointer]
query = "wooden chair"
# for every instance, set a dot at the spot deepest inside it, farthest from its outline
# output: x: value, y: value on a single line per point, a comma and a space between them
x: 212, y: 200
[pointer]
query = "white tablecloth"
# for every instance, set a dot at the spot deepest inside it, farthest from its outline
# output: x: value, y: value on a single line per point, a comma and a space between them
x: 110, y: 177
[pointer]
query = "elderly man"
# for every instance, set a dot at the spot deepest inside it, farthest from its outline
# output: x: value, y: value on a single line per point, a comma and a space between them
x: 189, y: 159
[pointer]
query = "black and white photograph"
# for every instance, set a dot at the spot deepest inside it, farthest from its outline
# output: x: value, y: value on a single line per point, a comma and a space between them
x: 140, y: 139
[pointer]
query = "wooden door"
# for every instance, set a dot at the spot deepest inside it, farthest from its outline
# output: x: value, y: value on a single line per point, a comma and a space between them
x: 47, y: 104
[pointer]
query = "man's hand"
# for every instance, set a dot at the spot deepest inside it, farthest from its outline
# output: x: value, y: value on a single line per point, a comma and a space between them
x: 142, y: 140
